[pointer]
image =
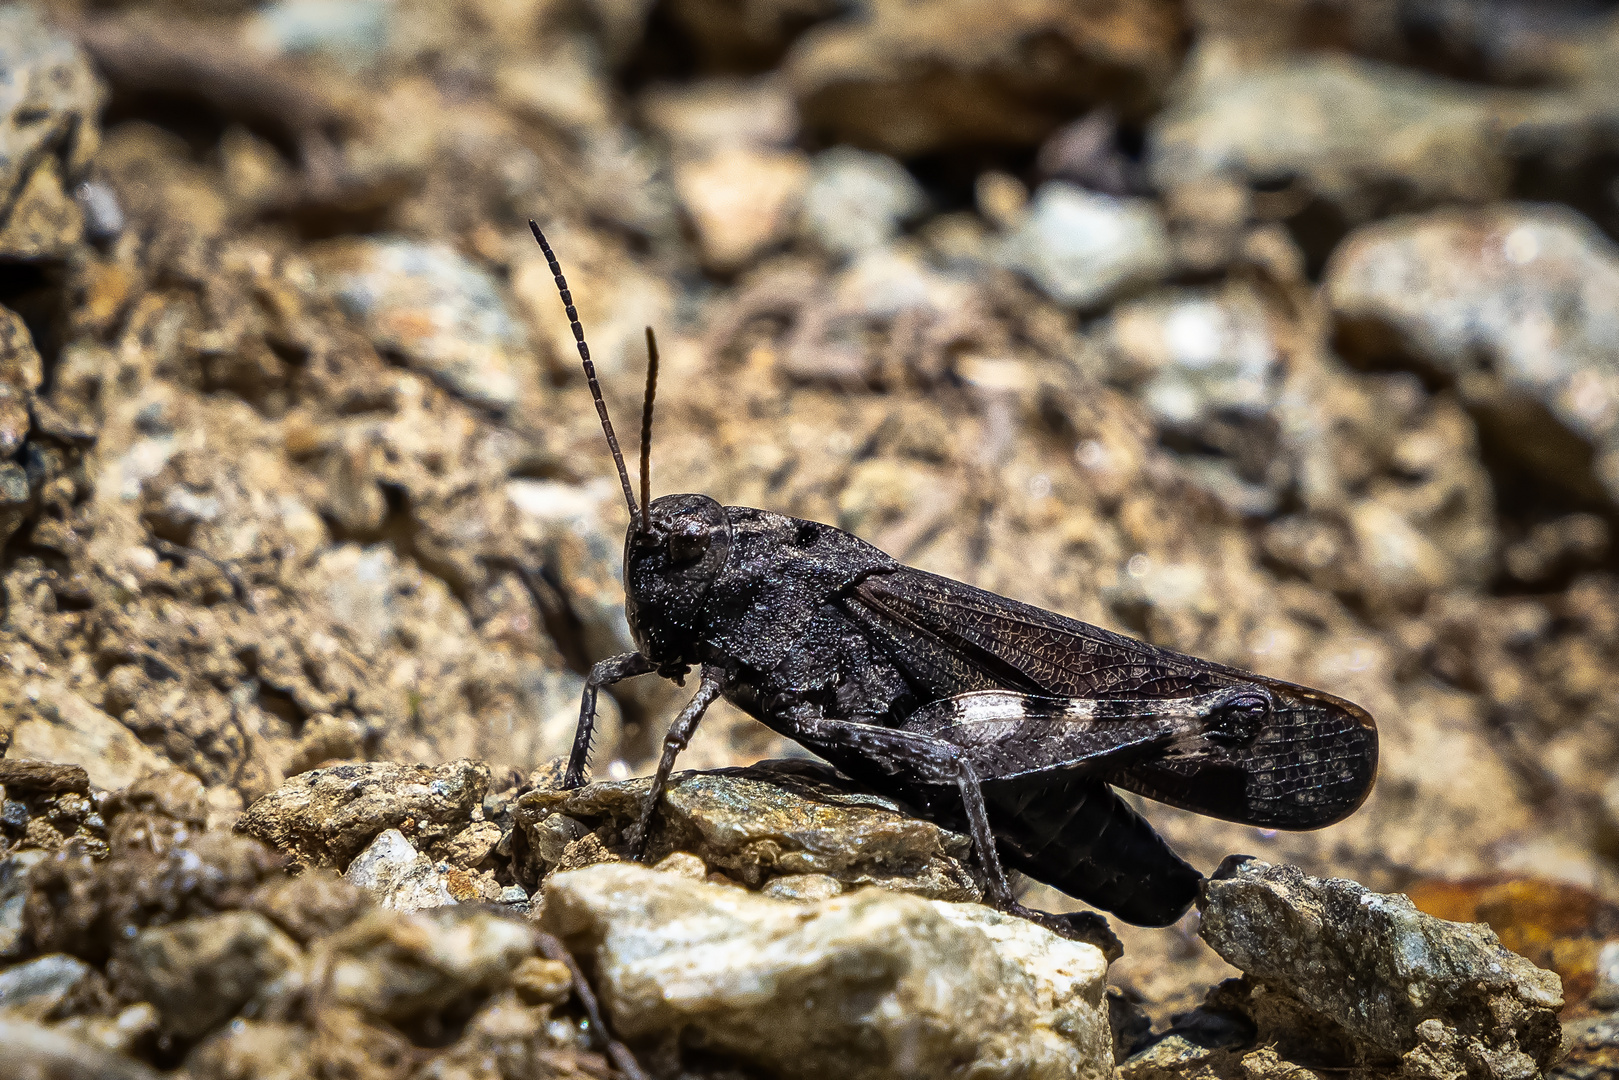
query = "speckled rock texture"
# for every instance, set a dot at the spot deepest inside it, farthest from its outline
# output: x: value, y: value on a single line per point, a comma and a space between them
x: 782, y: 819
x: 868, y: 985
x: 1445, y: 997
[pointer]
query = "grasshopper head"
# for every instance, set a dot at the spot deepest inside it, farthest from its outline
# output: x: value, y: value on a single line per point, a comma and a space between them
x: 670, y: 560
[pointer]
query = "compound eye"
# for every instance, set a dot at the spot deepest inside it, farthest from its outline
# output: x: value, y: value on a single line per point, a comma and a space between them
x: 688, y: 544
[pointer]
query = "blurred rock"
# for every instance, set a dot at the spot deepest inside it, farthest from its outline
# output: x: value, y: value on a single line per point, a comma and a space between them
x: 745, y: 35
x: 36, y: 817
x: 1208, y: 367
x: 708, y: 115
x: 870, y: 985
x: 252, y: 1048
x: 398, y: 966
x: 33, y: 991
x: 397, y: 876
x: 59, y: 725
x: 48, y: 1053
x: 767, y: 821
x: 1446, y: 997
x: 312, y: 905
x: 131, y: 1030
x: 910, y: 81
x: 440, y: 313
x: 741, y: 201
x: 328, y: 816
x: 1605, y: 994
x: 565, y: 86
x: 509, y: 1039
x: 49, y: 106
x: 1086, y: 152
x: 540, y: 981
x: 200, y: 972
x: 858, y: 201
x: 1363, y: 137
x: 14, y: 871
x: 93, y: 907
x: 20, y: 774
x: 354, y: 33
x: 1593, y: 1049
x: 1083, y: 249
x: 1518, y: 306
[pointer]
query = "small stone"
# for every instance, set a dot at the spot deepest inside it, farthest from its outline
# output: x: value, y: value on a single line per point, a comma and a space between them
x: 803, y: 888
x: 446, y: 316
x: 43, y: 776
x: 565, y: 84
x: 1175, y: 1056
x: 1381, y: 969
x: 471, y: 846
x: 398, y: 966
x: 741, y: 201
x: 397, y: 876
x: 1083, y: 249
x: 683, y: 864
x: 858, y: 201
x: 92, y: 907
x: 470, y: 887
x: 543, y: 982
x: 200, y: 972
x: 353, y: 33
x: 34, y: 990
x: 327, y: 816
x: 847, y: 987
x: 1001, y: 198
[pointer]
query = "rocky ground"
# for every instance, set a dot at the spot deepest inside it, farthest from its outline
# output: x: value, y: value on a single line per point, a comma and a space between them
x: 1282, y: 332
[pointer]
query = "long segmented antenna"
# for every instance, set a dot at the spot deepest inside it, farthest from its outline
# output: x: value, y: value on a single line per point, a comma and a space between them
x: 590, y: 368
x: 646, y: 429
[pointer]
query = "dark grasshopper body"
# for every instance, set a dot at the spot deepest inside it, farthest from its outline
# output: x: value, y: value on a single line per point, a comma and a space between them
x: 801, y: 624
x: 978, y: 712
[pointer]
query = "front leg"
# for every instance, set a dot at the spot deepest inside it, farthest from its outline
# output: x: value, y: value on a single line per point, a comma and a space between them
x: 680, y: 733
x: 609, y: 671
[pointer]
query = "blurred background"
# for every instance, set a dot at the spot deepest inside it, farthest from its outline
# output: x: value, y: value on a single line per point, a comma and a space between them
x: 1281, y: 332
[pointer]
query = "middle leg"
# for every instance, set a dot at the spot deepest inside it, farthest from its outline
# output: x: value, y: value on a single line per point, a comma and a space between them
x: 680, y: 733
